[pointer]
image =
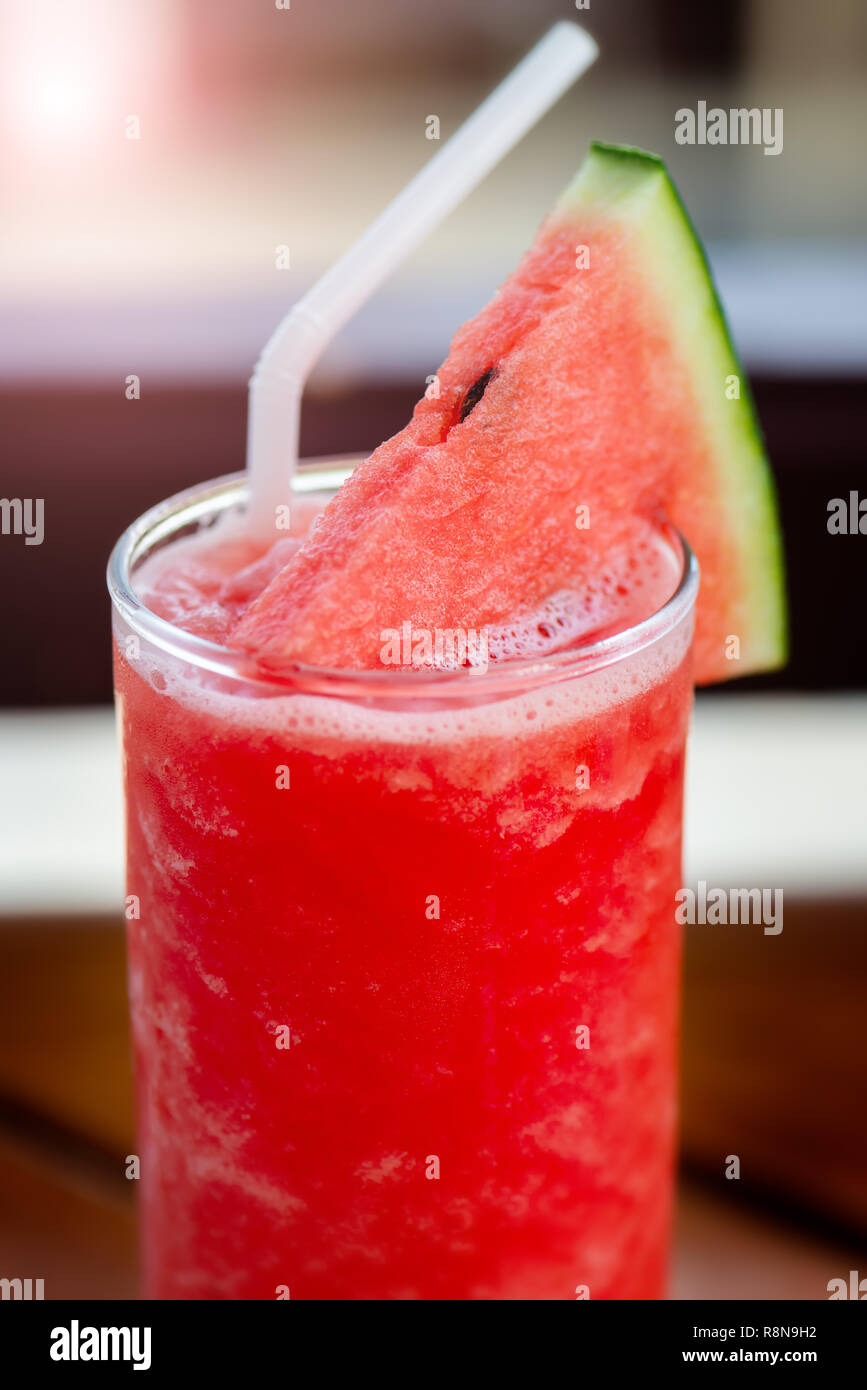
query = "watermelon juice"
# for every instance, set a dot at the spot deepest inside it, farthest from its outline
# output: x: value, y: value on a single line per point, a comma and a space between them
x: 403, y: 961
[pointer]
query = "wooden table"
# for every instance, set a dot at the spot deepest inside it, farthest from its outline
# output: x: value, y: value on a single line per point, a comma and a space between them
x: 773, y: 1070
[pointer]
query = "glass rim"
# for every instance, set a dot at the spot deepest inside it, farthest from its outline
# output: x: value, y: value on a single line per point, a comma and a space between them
x: 170, y: 516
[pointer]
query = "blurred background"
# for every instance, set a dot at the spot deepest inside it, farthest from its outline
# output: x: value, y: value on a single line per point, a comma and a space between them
x: 155, y: 159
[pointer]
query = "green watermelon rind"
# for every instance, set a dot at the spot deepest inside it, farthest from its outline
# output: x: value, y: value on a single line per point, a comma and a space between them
x: 617, y: 181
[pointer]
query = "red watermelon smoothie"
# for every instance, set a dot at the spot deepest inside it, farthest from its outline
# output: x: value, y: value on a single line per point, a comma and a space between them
x: 403, y: 961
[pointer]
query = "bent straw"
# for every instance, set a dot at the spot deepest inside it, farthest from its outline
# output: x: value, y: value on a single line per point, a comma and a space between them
x: 277, y: 383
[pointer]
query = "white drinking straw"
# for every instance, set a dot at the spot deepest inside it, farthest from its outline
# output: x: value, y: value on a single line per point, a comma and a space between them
x: 277, y: 383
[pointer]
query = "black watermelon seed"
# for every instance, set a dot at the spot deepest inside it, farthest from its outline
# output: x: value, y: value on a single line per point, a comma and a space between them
x: 474, y: 395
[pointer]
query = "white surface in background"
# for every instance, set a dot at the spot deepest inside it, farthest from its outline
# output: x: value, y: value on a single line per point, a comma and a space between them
x: 61, y: 831
x: 777, y: 798
x: 793, y: 307
x: 777, y: 793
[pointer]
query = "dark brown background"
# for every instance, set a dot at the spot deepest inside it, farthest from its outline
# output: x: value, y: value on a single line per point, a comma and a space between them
x: 100, y: 460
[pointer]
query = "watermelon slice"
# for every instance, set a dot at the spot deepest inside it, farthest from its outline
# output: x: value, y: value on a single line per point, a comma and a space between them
x: 601, y: 376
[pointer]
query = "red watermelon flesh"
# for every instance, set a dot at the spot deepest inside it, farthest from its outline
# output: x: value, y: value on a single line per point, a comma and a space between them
x: 599, y: 377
